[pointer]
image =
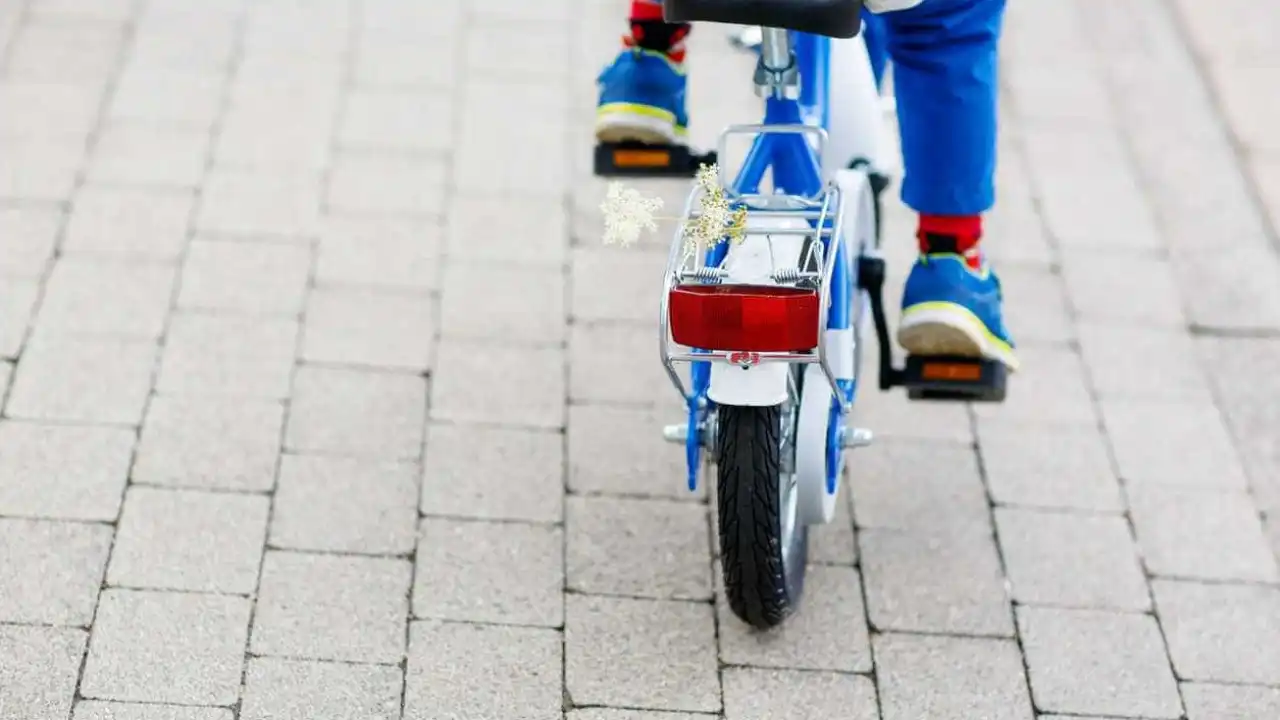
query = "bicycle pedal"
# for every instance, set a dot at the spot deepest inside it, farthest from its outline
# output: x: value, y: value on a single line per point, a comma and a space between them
x: 634, y: 159
x: 955, y: 378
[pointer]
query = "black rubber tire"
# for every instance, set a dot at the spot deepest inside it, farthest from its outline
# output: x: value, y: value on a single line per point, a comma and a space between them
x: 761, y: 589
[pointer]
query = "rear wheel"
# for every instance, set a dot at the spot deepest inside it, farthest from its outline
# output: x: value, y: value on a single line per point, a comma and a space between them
x: 763, y: 544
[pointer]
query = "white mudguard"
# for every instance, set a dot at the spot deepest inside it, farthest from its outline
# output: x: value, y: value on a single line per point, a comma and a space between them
x: 856, y: 117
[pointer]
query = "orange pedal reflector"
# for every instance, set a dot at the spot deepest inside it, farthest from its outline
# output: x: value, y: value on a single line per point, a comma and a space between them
x: 641, y: 158
x: 964, y: 372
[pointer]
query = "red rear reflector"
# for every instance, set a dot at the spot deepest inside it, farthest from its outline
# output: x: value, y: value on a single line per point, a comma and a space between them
x: 760, y: 318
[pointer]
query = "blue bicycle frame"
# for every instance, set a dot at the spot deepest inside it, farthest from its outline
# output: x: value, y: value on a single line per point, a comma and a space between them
x: 796, y: 170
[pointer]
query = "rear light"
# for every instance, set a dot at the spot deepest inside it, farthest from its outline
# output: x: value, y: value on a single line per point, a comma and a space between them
x: 760, y: 318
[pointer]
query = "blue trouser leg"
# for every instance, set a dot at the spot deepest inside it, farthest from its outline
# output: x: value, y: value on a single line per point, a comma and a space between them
x: 873, y: 35
x: 944, y: 75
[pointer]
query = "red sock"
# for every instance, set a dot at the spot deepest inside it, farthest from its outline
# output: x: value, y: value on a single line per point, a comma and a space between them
x: 959, y: 234
x: 649, y: 31
x: 645, y: 10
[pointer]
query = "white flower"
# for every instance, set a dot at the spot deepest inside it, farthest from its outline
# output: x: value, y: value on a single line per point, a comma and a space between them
x: 628, y: 214
x: 716, y: 218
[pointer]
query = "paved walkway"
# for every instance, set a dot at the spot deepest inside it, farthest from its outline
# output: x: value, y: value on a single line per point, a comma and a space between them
x: 322, y: 400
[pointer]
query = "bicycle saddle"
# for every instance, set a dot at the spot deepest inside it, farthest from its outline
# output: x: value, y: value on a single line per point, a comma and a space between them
x: 833, y: 18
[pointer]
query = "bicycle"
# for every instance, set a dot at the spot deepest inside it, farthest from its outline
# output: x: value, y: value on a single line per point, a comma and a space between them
x: 772, y: 326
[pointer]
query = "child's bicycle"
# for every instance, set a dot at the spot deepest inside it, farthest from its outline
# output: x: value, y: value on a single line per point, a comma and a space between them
x: 772, y: 326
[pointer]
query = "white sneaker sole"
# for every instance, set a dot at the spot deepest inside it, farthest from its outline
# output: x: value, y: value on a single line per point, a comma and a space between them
x: 627, y: 127
x: 942, y: 331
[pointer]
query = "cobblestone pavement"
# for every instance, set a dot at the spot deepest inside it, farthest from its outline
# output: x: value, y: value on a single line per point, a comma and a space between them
x: 323, y: 401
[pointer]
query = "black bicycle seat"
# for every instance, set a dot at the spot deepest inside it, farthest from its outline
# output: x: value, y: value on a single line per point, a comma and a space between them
x: 833, y: 18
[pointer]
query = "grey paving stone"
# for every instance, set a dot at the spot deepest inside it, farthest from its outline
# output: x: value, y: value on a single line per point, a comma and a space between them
x: 223, y: 444
x: 228, y: 356
x: 39, y: 666
x: 65, y: 52
x: 98, y: 710
x: 47, y: 108
x: 1201, y: 534
x: 167, y: 97
x: 17, y: 306
x: 614, y: 284
x: 258, y: 204
x: 1093, y: 662
x: 616, y: 364
x: 828, y: 633
x: 357, y: 327
x: 61, y: 471
x: 386, y: 62
x: 489, y: 572
x: 918, y: 485
x: 528, y: 231
x: 357, y: 413
x: 753, y: 694
x: 167, y: 647
x: 922, y: 676
x: 522, y: 667
x: 297, y: 690
x: 1209, y: 459
x: 833, y: 543
x: 144, y: 154
x: 96, y: 296
x: 530, y: 308
x: 1049, y: 468
x: 6, y: 372
x: 612, y: 714
x: 50, y: 571
x: 642, y: 654
x: 31, y: 231
x: 247, y: 277
x: 41, y: 168
x: 1232, y: 289
x: 531, y: 388
x: 396, y: 122
x: 638, y: 548
x: 326, y: 607
x: 391, y: 253
x: 515, y: 474
x: 620, y: 451
x: 345, y: 505
x: 83, y: 380
x: 1071, y: 560
x: 1127, y: 289
x: 1052, y: 389
x: 1142, y: 363
x: 1221, y: 633
x: 922, y: 582
x: 278, y: 140
x: 1041, y: 314
x: 194, y: 541
x: 895, y: 417
x: 375, y: 183
x: 1230, y: 702
x: 131, y: 222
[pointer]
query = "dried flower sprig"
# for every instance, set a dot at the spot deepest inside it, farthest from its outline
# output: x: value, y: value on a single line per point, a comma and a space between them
x: 628, y: 214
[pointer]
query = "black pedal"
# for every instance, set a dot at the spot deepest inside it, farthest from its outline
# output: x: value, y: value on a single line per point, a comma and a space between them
x: 955, y: 378
x: 634, y: 159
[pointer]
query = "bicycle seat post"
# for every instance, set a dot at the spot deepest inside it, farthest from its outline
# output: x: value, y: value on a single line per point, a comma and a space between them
x: 776, y: 72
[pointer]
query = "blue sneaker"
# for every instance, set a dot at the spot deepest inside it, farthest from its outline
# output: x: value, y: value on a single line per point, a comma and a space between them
x: 642, y: 98
x: 951, y: 308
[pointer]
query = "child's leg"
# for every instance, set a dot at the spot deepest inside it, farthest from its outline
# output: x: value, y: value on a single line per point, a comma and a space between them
x: 944, y: 56
x: 642, y: 94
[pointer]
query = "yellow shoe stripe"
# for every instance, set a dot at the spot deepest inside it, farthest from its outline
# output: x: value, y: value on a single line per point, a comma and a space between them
x: 963, y: 314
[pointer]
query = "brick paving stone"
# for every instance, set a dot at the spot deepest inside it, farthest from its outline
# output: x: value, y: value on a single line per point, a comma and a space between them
x: 753, y: 694
x: 38, y: 666
x: 1049, y: 467
x: 896, y: 418
x: 370, y: 183
x: 326, y: 607
x: 1230, y: 702
x: 1209, y: 459
x: 386, y: 253
x: 613, y: 714
x: 834, y: 543
x: 246, y: 143
x: 473, y: 571
x: 346, y: 327
x: 64, y: 52
x: 1221, y: 633
x: 298, y: 690
x: 167, y: 647
x: 31, y: 232
x: 50, y: 571
x: 61, y: 471
x: 245, y: 277
x: 638, y: 548
x: 620, y: 451
x: 169, y: 97
x: 193, y: 541
x: 828, y: 633
x: 6, y: 372
x: 529, y: 383
x: 1041, y: 314
x: 40, y: 168
x: 615, y: 364
x: 97, y: 710
x: 643, y: 654
x: 345, y: 505
x: 612, y: 284
x: 224, y: 444
x: 96, y: 296
x: 143, y: 154
x: 357, y: 413
x: 228, y: 356
x: 254, y: 204
x: 530, y: 308
x: 131, y: 222
x: 83, y: 380
x: 396, y: 122
x: 527, y: 231
x: 45, y: 108
x: 918, y: 485
x: 521, y: 666
x: 922, y: 676
x: 1204, y: 535
x: 1051, y: 389
x: 1142, y: 363
x: 1146, y: 284
x: 1094, y: 662
x: 1071, y: 560
x: 515, y: 475
x: 924, y: 582
x: 386, y: 62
